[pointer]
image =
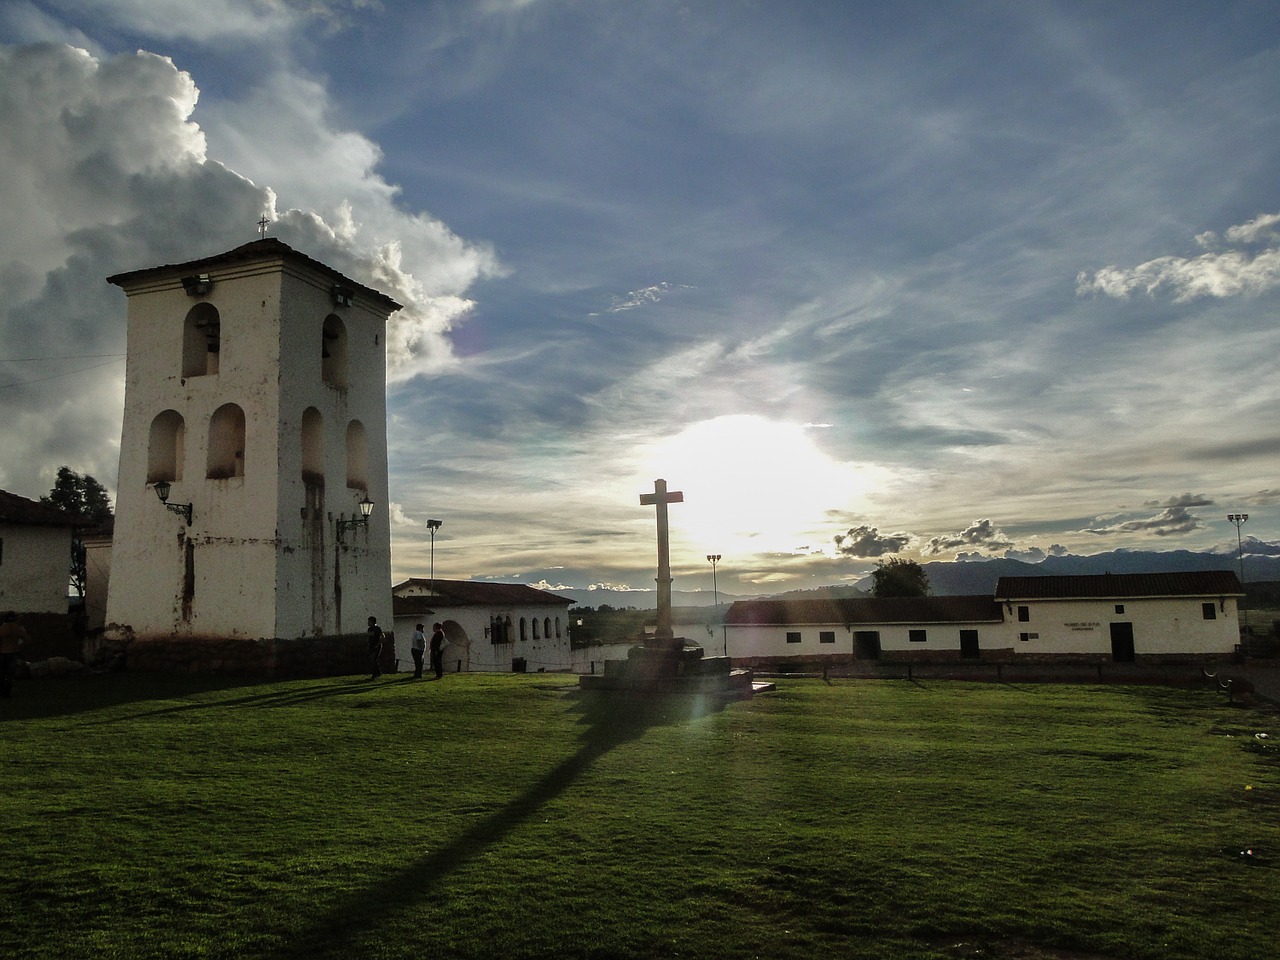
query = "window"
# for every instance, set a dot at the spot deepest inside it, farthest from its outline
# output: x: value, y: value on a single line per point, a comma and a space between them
x: 793, y: 637
x: 536, y: 635
x: 201, y: 341
x: 165, y: 447
x: 1024, y: 614
x: 226, y: 443
x: 1119, y: 608
x: 557, y: 628
x: 333, y: 353
x: 1209, y: 610
x: 826, y: 636
x: 1024, y: 637
x: 546, y: 627
x: 524, y: 629
x: 917, y: 636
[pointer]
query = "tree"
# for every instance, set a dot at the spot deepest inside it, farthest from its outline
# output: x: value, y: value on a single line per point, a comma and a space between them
x: 80, y: 496
x: 86, y: 500
x: 899, y: 578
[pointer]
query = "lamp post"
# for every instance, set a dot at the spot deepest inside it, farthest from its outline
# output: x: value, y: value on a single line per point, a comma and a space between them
x: 714, y: 558
x: 181, y: 509
x: 1239, y: 520
x: 434, y: 525
x: 366, y: 508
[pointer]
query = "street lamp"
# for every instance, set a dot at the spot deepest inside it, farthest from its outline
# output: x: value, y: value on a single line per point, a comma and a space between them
x: 434, y: 525
x: 366, y: 508
x: 714, y: 558
x: 1239, y: 520
x: 181, y: 509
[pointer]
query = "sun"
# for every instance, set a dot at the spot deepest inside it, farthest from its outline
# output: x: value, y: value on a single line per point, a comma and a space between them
x: 753, y: 485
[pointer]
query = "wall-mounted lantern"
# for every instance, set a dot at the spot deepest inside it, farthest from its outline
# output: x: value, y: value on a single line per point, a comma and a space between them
x: 366, y: 508
x: 181, y: 509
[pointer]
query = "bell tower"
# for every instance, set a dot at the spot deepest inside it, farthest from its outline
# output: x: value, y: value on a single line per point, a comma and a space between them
x: 252, y: 493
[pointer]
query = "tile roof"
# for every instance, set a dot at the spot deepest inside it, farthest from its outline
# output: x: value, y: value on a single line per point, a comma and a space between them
x: 263, y: 249
x: 477, y: 593
x: 16, y: 509
x: 854, y: 610
x: 1205, y: 583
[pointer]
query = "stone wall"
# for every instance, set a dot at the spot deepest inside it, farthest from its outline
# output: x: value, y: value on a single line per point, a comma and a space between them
x: 305, y: 657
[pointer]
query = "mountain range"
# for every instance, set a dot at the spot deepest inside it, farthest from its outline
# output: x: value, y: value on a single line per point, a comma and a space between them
x: 957, y: 577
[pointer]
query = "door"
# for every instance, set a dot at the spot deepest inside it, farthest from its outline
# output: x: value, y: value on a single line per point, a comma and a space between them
x: 866, y: 644
x: 1122, y: 642
x: 969, y: 645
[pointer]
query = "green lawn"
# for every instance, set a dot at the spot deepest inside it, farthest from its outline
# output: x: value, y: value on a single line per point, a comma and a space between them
x: 512, y: 816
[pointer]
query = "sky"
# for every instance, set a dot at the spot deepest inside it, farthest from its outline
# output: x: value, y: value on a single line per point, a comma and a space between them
x: 861, y: 280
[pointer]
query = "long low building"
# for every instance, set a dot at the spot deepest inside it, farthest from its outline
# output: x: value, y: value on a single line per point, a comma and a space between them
x: 1121, y: 617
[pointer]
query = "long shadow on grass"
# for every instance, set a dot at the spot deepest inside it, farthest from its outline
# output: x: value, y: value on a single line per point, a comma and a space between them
x: 610, y: 720
x: 293, y: 695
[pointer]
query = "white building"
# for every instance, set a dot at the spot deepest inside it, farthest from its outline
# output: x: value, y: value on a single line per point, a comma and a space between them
x: 810, y: 632
x: 1123, y: 617
x: 255, y: 390
x: 35, y: 556
x: 1107, y: 617
x: 490, y: 626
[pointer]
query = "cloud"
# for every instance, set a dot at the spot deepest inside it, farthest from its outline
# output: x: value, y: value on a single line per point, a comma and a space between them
x: 864, y: 541
x: 638, y: 298
x: 981, y: 533
x: 103, y: 169
x: 1216, y: 273
x: 1264, y: 498
x: 1036, y: 554
x: 1183, y: 500
x: 1171, y: 521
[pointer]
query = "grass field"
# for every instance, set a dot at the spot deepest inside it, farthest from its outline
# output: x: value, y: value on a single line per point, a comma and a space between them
x: 512, y: 816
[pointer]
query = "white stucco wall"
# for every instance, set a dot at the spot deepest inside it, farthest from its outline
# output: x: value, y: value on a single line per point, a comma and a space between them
x: 261, y: 552
x: 468, y: 646
x: 34, y: 568
x: 1162, y: 626
x: 746, y: 642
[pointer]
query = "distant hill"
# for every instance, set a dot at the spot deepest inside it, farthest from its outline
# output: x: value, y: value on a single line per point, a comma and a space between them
x: 642, y: 599
x: 953, y: 578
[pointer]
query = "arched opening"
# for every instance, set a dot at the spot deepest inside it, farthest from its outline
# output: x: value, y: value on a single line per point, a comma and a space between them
x: 524, y: 630
x: 226, y: 443
x: 546, y: 627
x: 333, y: 352
x: 535, y: 629
x: 165, y: 447
x: 312, y: 447
x: 357, y: 457
x: 201, y: 341
x: 558, y: 628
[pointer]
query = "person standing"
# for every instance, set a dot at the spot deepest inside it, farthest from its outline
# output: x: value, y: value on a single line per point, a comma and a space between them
x: 12, y: 636
x: 418, y: 647
x: 375, y: 648
x: 437, y: 649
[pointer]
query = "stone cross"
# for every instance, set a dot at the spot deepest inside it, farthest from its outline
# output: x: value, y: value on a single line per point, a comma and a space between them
x: 663, y: 632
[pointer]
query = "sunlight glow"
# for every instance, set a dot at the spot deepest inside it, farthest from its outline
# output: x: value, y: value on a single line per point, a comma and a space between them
x: 753, y: 485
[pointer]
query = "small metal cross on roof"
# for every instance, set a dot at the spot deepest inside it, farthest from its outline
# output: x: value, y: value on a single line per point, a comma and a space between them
x: 262, y: 226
